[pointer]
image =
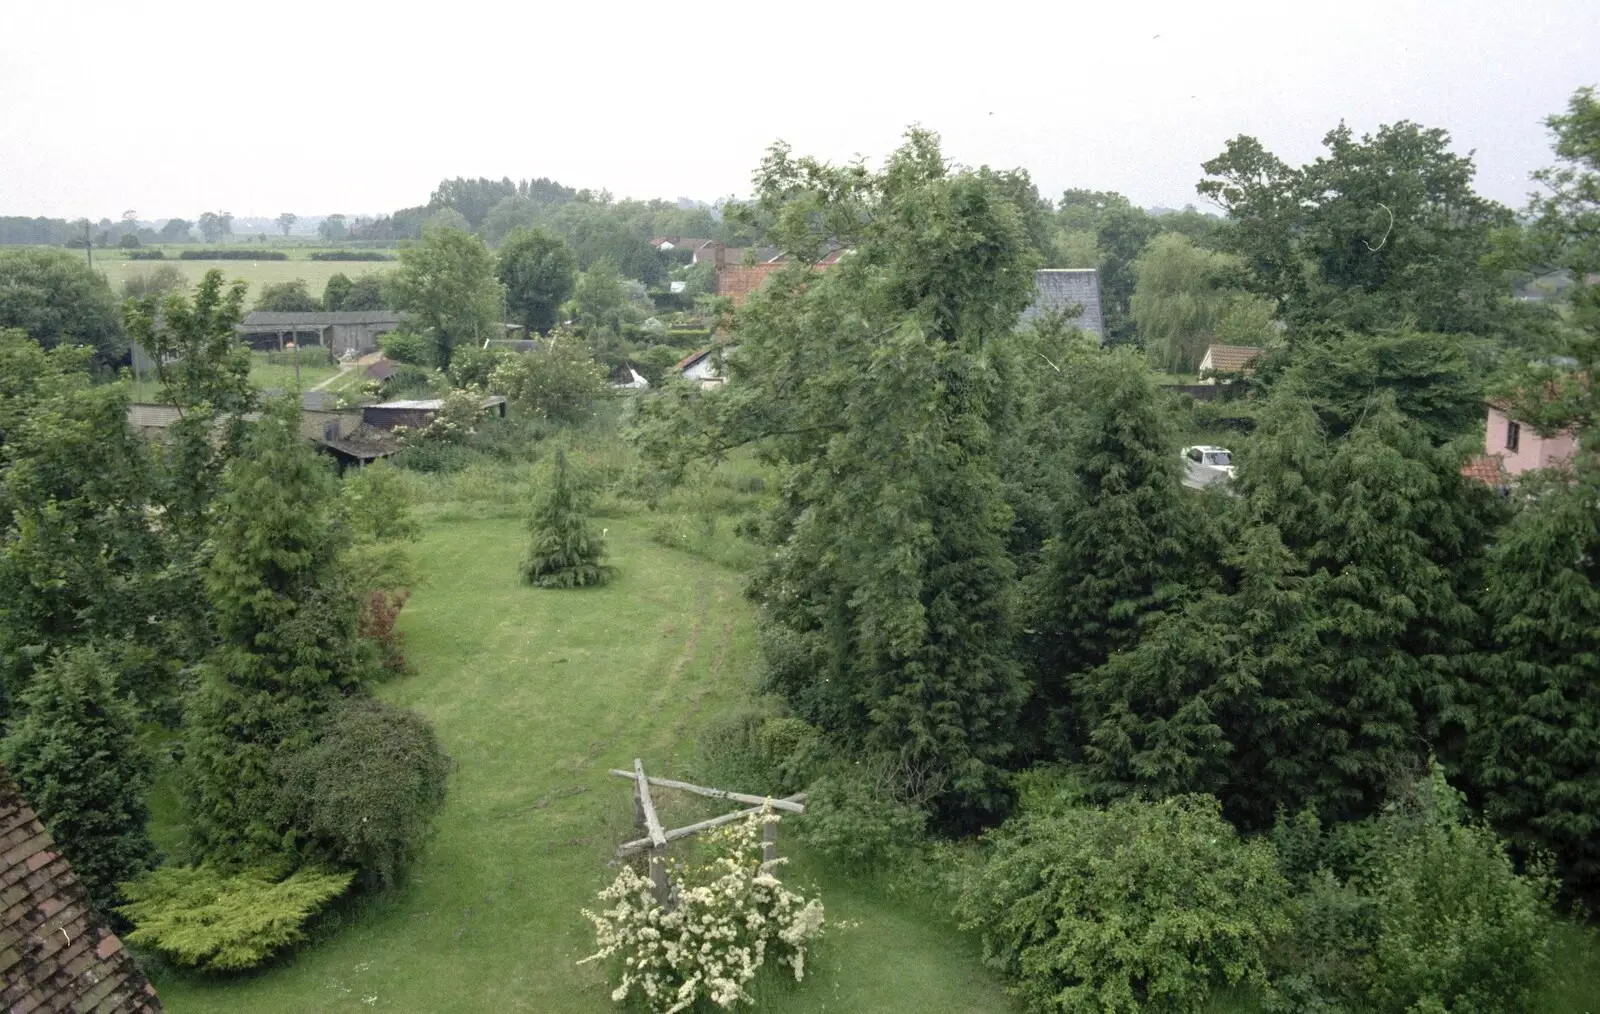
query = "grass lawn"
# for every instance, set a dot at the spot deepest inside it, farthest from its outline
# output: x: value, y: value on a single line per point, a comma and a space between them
x: 257, y: 273
x: 263, y: 374
x: 535, y: 694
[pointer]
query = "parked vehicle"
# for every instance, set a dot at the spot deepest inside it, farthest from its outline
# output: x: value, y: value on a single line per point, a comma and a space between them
x: 1207, y: 456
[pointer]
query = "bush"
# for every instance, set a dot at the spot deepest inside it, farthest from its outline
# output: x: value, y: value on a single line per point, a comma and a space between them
x: 147, y: 255
x: 350, y: 255
x: 405, y: 346
x: 379, y: 612
x: 222, y: 922
x: 858, y: 826
x: 560, y: 383
x: 365, y: 794
x: 472, y: 367
x: 730, y: 915
x: 1138, y: 907
x: 1415, y: 910
x: 232, y: 255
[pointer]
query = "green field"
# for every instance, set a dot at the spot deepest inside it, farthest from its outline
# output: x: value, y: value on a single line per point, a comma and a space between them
x: 263, y: 374
x: 258, y: 273
x: 535, y: 694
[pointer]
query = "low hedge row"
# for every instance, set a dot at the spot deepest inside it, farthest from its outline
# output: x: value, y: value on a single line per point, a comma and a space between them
x: 233, y: 255
x: 350, y: 255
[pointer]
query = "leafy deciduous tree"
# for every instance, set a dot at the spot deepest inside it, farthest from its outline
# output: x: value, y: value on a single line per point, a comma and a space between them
x: 447, y: 284
x: 538, y: 271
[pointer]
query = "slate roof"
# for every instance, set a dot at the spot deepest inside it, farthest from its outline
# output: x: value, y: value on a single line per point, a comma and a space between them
x: 1229, y: 358
x: 1060, y: 289
x: 318, y: 319
x: 55, y: 953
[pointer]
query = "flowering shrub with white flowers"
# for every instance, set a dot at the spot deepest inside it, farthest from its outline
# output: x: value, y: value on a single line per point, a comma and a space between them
x: 726, y: 918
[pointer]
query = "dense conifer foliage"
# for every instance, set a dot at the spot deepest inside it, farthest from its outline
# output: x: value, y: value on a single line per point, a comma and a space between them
x: 564, y: 550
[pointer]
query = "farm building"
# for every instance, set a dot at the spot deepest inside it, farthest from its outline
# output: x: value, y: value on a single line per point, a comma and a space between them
x: 340, y: 331
x: 416, y: 414
x: 55, y: 953
x: 343, y: 435
x: 1074, y: 292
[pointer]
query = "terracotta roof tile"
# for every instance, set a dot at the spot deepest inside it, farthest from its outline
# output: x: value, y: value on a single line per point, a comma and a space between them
x: 1231, y: 358
x: 56, y: 954
x: 1485, y: 468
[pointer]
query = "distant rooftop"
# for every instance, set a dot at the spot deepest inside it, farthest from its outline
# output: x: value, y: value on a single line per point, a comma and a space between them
x: 1063, y: 289
x: 319, y: 318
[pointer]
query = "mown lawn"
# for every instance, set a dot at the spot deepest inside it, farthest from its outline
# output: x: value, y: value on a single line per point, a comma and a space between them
x: 535, y: 694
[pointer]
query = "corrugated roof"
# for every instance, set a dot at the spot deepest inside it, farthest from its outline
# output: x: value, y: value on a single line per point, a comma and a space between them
x: 261, y: 318
x: 1060, y: 289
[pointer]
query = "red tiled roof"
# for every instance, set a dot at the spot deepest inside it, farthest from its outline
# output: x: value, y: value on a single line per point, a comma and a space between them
x: 1231, y: 358
x: 55, y: 954
x: 1485, y: 468
x: 738, y: 281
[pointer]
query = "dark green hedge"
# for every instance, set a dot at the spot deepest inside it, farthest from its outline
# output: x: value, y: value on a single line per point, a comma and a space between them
x: 233, y: 255
x: 350, y: 255
x: 147, y: 255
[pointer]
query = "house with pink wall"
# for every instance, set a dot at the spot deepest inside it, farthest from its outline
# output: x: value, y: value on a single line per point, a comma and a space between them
x: 1520, y: 448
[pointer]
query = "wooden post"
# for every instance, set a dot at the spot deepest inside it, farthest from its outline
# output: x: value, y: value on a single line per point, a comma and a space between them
x: 658, y: 877
x: 638, y: 809
x: 769, y: 842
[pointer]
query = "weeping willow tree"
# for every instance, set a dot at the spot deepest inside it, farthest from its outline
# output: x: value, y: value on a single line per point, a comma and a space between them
x: 564, y: 550
x: 1182, y: 303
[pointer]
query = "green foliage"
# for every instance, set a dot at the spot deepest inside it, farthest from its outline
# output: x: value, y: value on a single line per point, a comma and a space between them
x: 1416, y: 910
x: 559, y: 382
x: 293, y: 296
x: 336, y: 291
x: 564, y: 551
x: 600, y: 298
x: 1180, y: 300
x: 539, y: 272
x: 1568, y: 223
x: 76, y: 754
x: 378, y: 505
x: 364, y: 795
x: 1343, y: 375
x: 1381, y: 229
x: 1333, y: 651
x: 860, y: 823
x: 446, y: 283
x: 55, y: 297
x: 286, y: 615
x: 472, y: 367
x: 872, y: 386
x: 1131, y: 545
x: 1138, y: 907
x: 77, y: 553
x: 158, y: 281
x: 1535, y: 747
x: 225, y: 922
x: 407, y: 346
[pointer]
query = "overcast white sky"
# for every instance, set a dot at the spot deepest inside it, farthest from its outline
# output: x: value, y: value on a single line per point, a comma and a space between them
x: 171, y: 108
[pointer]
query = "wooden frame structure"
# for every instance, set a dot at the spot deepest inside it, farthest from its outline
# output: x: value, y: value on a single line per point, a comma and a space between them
x: 656, y: 838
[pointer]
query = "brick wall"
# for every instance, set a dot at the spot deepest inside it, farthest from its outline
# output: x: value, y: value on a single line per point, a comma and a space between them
x: 55, y: 953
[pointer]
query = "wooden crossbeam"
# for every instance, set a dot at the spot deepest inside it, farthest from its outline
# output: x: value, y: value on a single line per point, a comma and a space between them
x: 737, y: 797
x: 639, y: 845
x: 652, y: 823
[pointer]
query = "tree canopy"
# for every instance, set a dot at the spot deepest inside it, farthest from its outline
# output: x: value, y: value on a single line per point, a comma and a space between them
x: 539, y: 273
x: 447, y: 284
x: 56, y: 298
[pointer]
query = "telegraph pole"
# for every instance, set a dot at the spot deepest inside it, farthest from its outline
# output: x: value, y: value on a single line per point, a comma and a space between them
x: 88, y: 247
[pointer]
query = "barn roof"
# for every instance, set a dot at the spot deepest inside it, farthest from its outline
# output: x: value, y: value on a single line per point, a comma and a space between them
x: 1062, y: 289
x: 263, y: 319
x: 55, y: 953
